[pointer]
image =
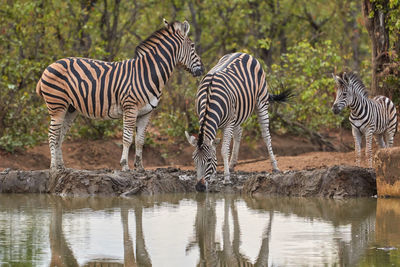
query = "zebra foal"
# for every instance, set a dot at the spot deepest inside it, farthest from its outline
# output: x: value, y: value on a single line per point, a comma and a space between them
x: 130, y: 89
x: 369, y: 116
x: 226, y: 97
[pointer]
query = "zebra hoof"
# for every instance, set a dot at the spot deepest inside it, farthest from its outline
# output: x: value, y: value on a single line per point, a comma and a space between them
x: 138, y: 164
x: 227, y: 182
x: 125, y: 169
x: 139, y: 168
x: 124, y: 165
x: 227, y: 179
x: 57, y: 168
x: 276, y: 171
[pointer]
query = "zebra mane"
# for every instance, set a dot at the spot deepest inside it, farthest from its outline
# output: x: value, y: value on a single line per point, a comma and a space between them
x: 203, y: 120
x: 356, y: 80
x: 149, y: 41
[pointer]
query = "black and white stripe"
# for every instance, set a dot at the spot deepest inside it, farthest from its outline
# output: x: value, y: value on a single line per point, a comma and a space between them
x: 130, y: 89
x: 226, y: 97
x: 370, y: 117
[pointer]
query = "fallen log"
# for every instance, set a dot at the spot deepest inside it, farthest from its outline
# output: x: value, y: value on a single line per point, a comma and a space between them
x: 333, y: 182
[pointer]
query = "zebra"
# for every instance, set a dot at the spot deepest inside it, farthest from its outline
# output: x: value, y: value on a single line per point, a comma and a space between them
x: 130, y: 89
x: 376, y: 116
x: 226, y: 97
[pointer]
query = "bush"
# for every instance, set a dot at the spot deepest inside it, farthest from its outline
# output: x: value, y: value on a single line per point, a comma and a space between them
x: 308, y: 70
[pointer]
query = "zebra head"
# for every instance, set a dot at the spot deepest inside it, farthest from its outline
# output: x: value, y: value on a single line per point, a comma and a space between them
x: 205, y: 160
x: 186, y: 54
x: 343, y: 92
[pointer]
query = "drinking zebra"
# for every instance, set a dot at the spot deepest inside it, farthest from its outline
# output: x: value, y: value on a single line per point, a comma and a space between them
x: 130, y: 89
x: 226, y: 97
x: 376, y: 116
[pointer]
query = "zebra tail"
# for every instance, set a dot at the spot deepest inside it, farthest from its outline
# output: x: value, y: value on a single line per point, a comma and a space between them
x: 284, y: 96
x: 39, y: 88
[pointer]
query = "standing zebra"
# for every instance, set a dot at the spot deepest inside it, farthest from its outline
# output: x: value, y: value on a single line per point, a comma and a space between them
x: 376, y: 116
x: 130, y: 89
x: 226, y: 97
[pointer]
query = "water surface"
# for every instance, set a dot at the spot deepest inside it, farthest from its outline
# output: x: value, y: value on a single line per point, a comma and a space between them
x: 198, y: 230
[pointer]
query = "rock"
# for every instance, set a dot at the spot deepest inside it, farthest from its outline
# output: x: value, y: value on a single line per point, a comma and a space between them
x: 333, y: 182
x: 337, y: 181
x: 387, y: 167
x: 12, y: 181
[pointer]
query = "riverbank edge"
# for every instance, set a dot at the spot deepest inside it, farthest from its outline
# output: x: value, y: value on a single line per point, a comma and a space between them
x: 331, y: 182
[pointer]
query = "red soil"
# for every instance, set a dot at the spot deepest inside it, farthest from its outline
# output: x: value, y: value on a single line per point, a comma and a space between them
x: 293, y: 153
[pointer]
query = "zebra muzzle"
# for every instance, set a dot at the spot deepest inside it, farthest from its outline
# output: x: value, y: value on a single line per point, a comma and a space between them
x: 198, y: 71
x: 201, y: 185
x: 335, y: 109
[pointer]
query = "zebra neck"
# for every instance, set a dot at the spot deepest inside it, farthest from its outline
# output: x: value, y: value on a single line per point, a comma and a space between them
x: 155, y: 70
x: 357, y: 106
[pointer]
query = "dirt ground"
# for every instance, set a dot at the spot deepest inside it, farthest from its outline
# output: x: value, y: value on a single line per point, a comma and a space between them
x: 292, y: 152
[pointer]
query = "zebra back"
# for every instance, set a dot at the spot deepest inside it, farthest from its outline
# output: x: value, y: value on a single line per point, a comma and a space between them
x: 229, y: 92
x: 99, y: 89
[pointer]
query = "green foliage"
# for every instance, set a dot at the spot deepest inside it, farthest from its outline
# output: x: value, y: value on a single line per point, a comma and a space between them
x: 300, y: 42
x: 95, y: 129
x: 392, y: 79
x: 308, y: 70
x: 177, y: 112
x: 20, y: 66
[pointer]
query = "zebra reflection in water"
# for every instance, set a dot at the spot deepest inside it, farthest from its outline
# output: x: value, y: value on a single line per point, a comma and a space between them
x: 62, y: 254
x: 211, y: 253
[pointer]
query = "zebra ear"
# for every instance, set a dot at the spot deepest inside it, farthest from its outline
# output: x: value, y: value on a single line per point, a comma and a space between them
x: 191, y: 139
x: 339, y: 80
x: 185, y: 28
x: 345, y: 78
x: 336, y: 78
x: 165, y: 23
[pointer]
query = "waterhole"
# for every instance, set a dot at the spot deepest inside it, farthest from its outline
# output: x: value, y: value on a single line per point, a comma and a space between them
x: 198, y: 230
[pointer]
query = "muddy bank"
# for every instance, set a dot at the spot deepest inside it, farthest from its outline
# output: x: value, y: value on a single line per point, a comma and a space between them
x: 337, y: 181
x: 333, y: 182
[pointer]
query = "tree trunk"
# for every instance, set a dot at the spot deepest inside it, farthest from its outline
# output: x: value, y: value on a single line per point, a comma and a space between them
x: 355, y: 37
x: 375, y: 21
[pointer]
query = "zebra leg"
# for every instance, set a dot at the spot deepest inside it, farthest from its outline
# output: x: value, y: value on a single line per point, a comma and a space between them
x: 141, y: 126
x: 357, y: 144
x: 225, y: 151
x: 380, y: 141
x: 263, y: 120
x: 56, y: 123
x: 389, y: 136
x: 129, y: 118
x: 237, y: 136
x: 368, y: 147
x: 67, y: 123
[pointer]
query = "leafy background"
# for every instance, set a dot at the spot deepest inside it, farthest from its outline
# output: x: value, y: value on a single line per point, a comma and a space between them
x: 300, y: 43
